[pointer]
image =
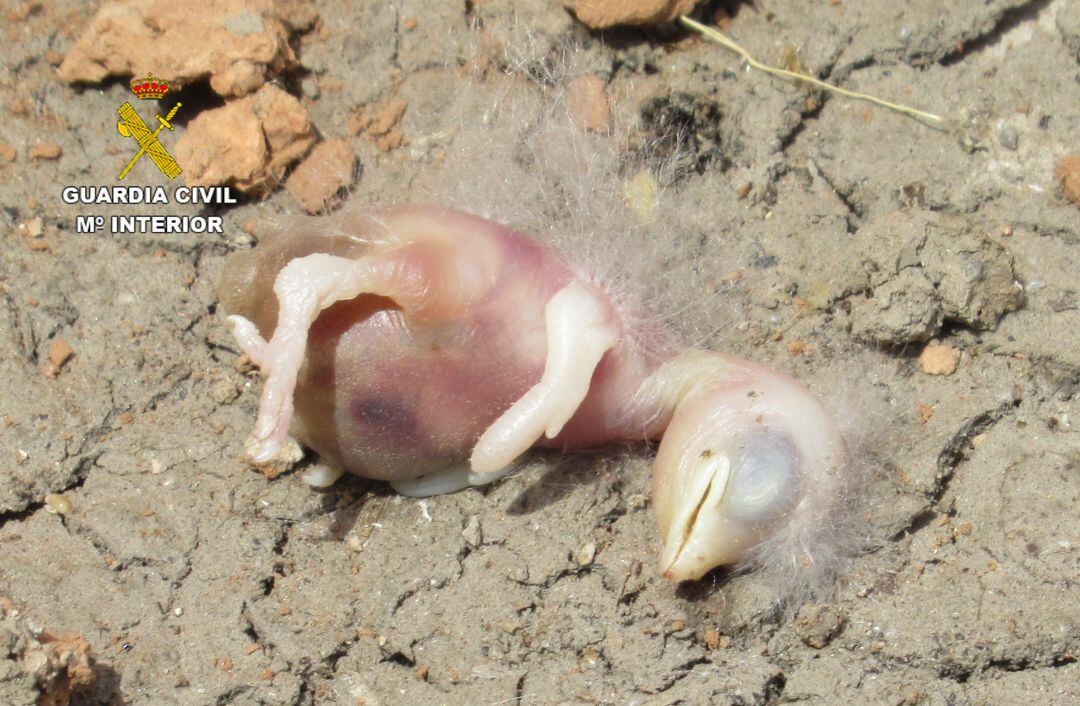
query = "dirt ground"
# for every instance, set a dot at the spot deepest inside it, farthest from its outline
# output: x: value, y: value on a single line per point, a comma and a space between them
x: 827, y: 237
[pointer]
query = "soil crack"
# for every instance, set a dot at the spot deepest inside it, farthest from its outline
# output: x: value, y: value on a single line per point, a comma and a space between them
x: 1008, y: 20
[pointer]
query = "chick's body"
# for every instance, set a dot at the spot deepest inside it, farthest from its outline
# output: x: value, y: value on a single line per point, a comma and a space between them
x: 395, y: 388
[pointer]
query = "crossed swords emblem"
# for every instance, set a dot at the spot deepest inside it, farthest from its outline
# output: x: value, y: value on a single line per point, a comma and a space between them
x: 131, y: 125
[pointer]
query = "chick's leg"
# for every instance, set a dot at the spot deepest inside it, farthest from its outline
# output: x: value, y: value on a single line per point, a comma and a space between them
x: 411, y: 276
x: 579, y: 332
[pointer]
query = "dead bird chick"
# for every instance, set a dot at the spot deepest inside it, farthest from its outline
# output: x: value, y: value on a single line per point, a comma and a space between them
x: 430, y: 348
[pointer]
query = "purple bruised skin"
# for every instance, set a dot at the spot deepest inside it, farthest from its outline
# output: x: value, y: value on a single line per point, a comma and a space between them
x: 430, y: 348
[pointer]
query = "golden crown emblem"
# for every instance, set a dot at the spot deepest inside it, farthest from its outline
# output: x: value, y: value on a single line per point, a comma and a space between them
x: 149, y: 88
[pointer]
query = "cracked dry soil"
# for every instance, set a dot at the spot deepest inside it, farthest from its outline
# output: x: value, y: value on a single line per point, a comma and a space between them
x: 861, y: 236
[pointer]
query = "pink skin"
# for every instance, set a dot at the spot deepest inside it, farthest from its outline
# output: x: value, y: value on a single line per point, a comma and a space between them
x: 442, y: 329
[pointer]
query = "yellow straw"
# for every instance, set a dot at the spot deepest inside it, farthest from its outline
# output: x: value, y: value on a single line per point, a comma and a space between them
x: 723, y: 40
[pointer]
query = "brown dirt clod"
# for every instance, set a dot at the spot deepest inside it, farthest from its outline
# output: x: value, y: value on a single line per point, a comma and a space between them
x: 1068, y: 173
x: 587, y: 100
x: 937, y: 359
x: 816, y: 624
x: 247, y: 143
x: 54, y: 665
x: 323, y: 174
x: 45, y: 150
x: 60, y: 352
x: 380, y: 124
x: 234, y: 43
x: 600, y: 14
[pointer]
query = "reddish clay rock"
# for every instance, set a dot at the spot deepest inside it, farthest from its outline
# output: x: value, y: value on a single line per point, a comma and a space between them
x: 937, y: 359
x: 599, y: 14
x: 587, y: 101
x: 45, y: 150
x: 247, y: 143
x: 60, y: 352
x: 1068, y: 173
x: 323, y: 174
x: 380, y: 123
x: 39, y: 666
x: 234, y: 43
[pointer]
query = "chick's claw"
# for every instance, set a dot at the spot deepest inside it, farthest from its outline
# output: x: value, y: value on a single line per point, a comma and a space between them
x: 247, y: 337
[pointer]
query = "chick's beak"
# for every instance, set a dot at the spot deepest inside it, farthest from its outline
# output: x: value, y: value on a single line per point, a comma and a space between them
x: 694, y: 538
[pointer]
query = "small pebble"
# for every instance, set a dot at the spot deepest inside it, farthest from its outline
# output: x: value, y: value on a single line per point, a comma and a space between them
x: 45, y: 150
x: 57, y: 504
x: 586, y: 554
x: 937, y: 359
x: 816, y: 624
x: 642, y: 196
x: 1068, y: 173
x: 32, y: 228
x: 587, y: 101
x: 243, y: 364
x: 224, y: 391
x: 1008, y: 137
x: 59, y: 354
x: 473, y: 534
